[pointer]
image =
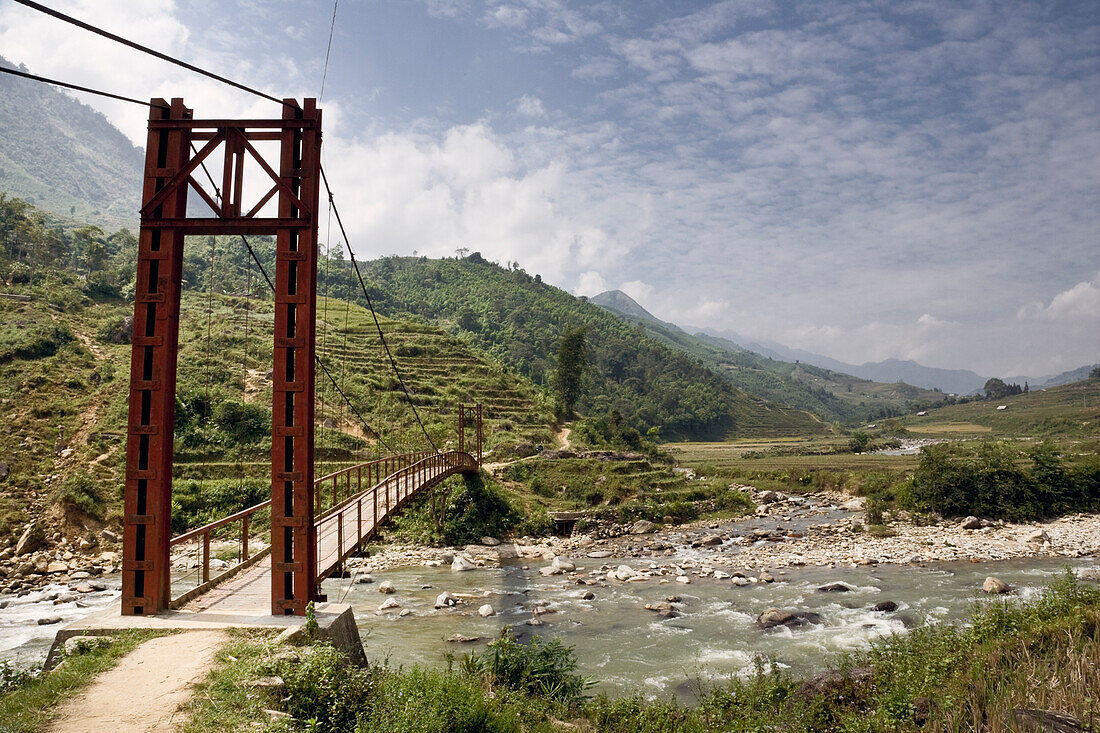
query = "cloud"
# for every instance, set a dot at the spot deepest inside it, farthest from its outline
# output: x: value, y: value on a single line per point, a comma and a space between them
x: 1079, y: 304
x: 530, y: 106
x: 590, y: 283
x: 545, y: 23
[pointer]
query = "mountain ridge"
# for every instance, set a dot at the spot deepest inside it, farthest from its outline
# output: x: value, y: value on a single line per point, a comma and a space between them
x: 63, y: 156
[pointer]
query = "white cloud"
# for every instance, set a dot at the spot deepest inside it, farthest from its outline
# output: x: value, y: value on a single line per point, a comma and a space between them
x: 530, y: 106
x: 590, y: 283
x: 1077, y: 305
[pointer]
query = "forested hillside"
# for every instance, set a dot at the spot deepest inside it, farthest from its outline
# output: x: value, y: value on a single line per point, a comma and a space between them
x: 65, y: 157
x: 832, y: 395
x: 65, y: 357
x: 519, y: 319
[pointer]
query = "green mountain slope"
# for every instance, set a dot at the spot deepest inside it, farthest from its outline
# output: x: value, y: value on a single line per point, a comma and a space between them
x: 518, y: 319
x: 64, y: 375
x: 832, y: 395
x: 1068, y: 410
x: 65, y: 157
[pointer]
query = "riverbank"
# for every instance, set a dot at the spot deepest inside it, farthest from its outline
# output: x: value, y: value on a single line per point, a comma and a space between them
x: 825, y: 529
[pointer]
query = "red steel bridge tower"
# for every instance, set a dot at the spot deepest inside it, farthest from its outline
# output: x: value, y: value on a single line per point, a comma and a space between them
x: 172, y: 160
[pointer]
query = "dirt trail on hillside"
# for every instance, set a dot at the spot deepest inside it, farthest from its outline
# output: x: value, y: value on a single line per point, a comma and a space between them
x: 146, y: 690
x: 563, y: 437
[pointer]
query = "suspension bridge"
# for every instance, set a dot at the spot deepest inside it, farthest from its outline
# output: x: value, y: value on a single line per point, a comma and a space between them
x: 271, y: 179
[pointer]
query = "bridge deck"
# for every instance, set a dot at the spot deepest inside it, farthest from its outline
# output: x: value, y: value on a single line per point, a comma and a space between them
x: 340, y: 531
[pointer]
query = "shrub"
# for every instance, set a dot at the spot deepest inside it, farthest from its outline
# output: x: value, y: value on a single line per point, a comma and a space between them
x: 544, y: 668
x: 993, y: 481
x: 323, y: 687
x: 82, y: 492
x: 859, y: 442
x: 244, y: 422
x: 34, y: 343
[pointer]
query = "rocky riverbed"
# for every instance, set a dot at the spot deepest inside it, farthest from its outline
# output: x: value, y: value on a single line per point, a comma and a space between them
x: 821, y: 530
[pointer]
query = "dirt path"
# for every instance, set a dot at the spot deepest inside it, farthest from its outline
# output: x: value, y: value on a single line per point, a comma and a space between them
x: 146, y: 690
x: 563, y: 437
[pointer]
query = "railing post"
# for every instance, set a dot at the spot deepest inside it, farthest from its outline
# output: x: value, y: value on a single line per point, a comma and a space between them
x: 374, y: 517
x: 244, y: 537
x: 359, y: 517
x: 340, y: 538
x: 206, y: 557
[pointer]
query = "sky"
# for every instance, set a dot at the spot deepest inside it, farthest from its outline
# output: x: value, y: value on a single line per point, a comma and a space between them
x: 907, y: 179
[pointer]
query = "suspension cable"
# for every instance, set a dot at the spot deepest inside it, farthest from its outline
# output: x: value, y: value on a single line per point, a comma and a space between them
x: 328, y: 50
x: 77, y: 87
x: 377, y: 325
x: 366, y: 425
x: 144, y: 49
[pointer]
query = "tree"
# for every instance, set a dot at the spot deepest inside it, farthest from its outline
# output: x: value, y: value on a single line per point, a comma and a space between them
x: 572, y: 362
x: 996, y: 388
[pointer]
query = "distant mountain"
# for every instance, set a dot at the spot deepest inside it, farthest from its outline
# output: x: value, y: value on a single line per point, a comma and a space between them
x: 65, y: 157
x: 1055, y: 380
x: 956, y: 381
x: 829, y: 393
x: 620, y: 302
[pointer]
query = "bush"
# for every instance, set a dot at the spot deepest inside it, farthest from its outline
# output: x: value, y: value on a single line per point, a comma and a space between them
x: 323, y: 687
x: 244, y: 422
x: 993, y: 480
x: 859, y: 442
x: 544, y: 668
x: 82, y: 492
x: 34, y: 343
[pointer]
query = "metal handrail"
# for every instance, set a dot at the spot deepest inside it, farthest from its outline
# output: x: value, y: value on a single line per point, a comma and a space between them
x: 387, y: 472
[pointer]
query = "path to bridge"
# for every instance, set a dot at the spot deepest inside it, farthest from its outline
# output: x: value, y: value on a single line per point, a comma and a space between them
x: 358, y: 500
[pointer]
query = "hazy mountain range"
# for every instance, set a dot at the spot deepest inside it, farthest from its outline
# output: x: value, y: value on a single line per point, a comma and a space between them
x: 951, y: 381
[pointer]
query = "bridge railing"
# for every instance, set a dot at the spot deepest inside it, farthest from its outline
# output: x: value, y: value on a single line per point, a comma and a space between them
x: 348, y: 506
x: 344, y: 526
x: 203, y: 535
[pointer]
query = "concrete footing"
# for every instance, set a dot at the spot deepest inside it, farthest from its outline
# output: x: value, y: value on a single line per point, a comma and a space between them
x: 335, y: 622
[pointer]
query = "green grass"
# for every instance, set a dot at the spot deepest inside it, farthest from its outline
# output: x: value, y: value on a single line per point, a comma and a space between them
x: 28, y: 707
x: 1067, y: 411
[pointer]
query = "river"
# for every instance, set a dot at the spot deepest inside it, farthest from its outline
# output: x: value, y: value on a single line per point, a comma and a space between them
x: 622, y: 646
x: 618, y: 643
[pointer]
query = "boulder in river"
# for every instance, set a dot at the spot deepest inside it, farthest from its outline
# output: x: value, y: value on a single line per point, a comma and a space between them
x: 461, y: 639
x: 995, y: 586
x: 486, y: 611
x: 624, y: 573
x: 642, y: 526
x: 49, y: 620
x: 885, y: 607
x: 388, y: 604
x: 386, y: 587
x: 834, y: 588
x: 791, y: 619
x: 445, y: 600
x: 461, y: 564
